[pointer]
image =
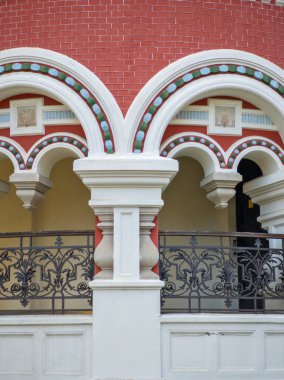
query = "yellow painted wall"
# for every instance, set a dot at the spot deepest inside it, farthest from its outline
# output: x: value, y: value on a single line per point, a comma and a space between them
x: 186, y: 206
x: 13, y: 217
x: 65, y: 206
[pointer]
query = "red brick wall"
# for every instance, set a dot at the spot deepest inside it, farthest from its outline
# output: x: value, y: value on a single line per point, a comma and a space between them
x: 125, y: 42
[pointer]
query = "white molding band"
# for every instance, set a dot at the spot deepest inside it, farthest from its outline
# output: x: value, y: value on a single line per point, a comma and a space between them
x: 51, y: 115
x: 196, y: 115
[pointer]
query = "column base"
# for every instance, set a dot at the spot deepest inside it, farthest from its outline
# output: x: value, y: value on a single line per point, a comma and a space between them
x: 127, y: 330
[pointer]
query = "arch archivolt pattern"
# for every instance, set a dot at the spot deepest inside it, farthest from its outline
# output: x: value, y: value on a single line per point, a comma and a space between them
x: 229, y: 159
x: 76, y: 86
x: 195, y: 139
x: 257, y: 145
x: 65, y: 141
x: 189, y: 77
x: 153, y: 107
x: 212, y: 73
x: 26, y: 160
x: 29, y: 64
x: 13, y: 151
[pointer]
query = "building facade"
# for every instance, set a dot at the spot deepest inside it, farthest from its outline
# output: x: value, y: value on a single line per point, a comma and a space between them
x: 120, y: 119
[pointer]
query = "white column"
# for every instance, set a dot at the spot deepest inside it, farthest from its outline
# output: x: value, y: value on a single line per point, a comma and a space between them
x: 268, y: 193
x: 126, y: 316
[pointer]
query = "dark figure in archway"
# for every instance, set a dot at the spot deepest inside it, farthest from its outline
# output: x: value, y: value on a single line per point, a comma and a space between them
x: 247, y: 214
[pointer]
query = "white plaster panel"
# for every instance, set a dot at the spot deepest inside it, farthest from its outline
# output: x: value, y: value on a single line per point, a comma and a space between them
x: 71, y: 358
x: 232, y: 355
x: 45, y: 347
x: 274, y: 352
x: 16, y: 354
x: 185, y: 349
x: 228, y: 347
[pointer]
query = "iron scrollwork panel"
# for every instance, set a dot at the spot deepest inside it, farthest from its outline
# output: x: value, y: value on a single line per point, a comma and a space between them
x: 56, y: 273
x: 203, y: 278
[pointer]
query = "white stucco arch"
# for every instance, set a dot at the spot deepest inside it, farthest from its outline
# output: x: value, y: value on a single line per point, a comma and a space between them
x: 53, y: 153
x: 266, y: 159
x: 235, y: 85
x: 246, y: 88
x: 8, y: 154
x: 19, y: 82
x: 198, y: 151
x: 200, y: 154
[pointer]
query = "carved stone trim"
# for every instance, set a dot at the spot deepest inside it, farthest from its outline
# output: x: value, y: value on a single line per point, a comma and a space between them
x: 30, y: 188
x: 220, y: 187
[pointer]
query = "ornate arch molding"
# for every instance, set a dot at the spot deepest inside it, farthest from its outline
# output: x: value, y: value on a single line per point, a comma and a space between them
x: 200, y: 75
x: 13, y: 151
x: 44, y: 154
x: 207, y: 151
x: 71, y: 83
x: 30, y: 160
x: 32, y: 168
x: 265, y: 152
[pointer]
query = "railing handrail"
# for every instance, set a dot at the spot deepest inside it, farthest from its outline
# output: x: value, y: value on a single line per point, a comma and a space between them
x: 46, y: 233
x: 161, y: 233
x: 220, y: 234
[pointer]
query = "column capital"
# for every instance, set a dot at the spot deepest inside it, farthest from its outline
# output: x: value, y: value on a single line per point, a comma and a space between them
x: 266, y: 188
x: 126, y: 180
x: 268, y: 192
x: 220, y: 187
x: 30, y: 188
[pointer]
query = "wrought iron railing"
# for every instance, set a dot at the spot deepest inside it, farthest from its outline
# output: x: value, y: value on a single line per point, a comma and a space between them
x: 46, y: 271
x: 221, y: 272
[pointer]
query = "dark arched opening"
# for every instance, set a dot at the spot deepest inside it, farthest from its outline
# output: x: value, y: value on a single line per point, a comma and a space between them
x: 247, y: 214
